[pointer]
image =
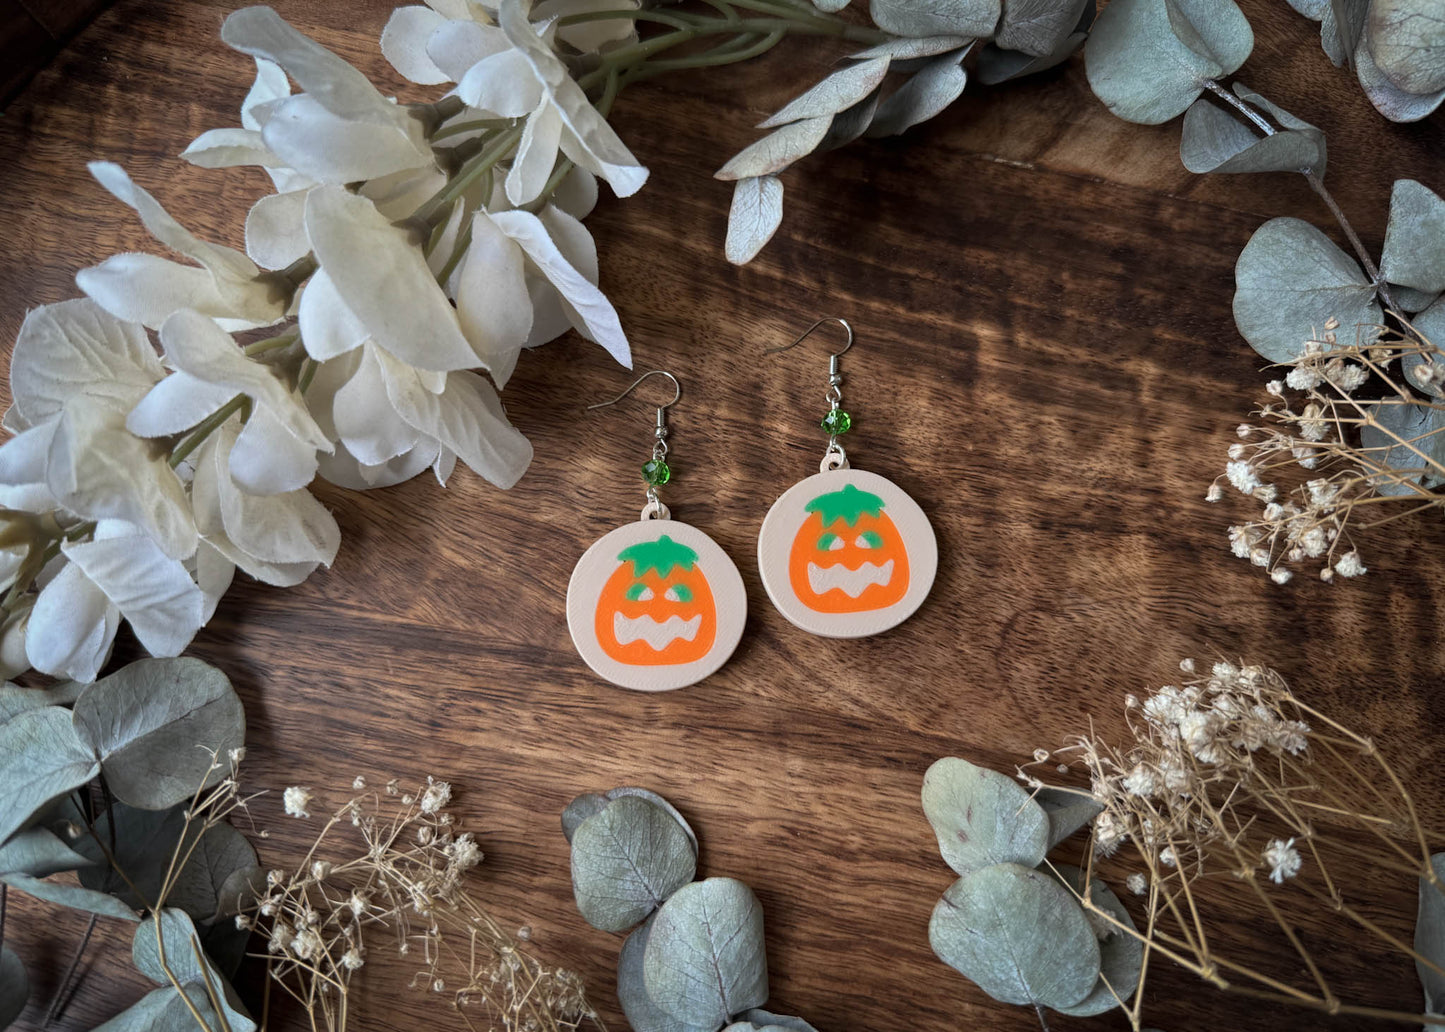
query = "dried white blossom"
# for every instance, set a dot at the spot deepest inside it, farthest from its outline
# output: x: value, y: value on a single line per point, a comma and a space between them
x: 296, y: 801
x: 1282, y: 859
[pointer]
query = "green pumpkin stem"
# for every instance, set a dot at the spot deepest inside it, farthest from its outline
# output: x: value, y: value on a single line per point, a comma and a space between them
x: 848, y: 505
x: 660, y: 555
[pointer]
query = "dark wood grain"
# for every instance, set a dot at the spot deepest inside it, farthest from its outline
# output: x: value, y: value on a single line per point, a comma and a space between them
x: 1046, y: 362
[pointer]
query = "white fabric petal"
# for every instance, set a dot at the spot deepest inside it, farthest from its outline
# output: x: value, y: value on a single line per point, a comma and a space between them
x: 71, y: 627
x: 154, y: 593
x: 146, y: 289
x: 577, y: 193
x: 344, y: 91
x: 98, y: 469
x: 441, y: 252
x: 331, y: 149
x: 536, y: 156
x: 404, y: 40
x: 269, y: 458
x: 595, y: 313
x: 343, y: 469
x: 177, y: 403
x: 275, y: 230
x: 329, y: 378
x: 196, y: 345
x: 23, y: 461
x: 13, y: 660
x: 365, y: 420
x: 400, y: 194
x: 467, y: 417
x: 443, y: 466
x: 382, y: 276
x: 328, y: 327
x: 458, y: 44
x: 502, y: 83
x: 270, y: 84
x: 214, y: 573
x: 77, y: 348
x: 228, y: 148
x: 586, y: 137
x: 589, y: 37
x: 493, y: 305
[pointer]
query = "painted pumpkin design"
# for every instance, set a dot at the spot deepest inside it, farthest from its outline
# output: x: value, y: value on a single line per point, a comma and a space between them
x: 847, y: 556
x: 657, y: 608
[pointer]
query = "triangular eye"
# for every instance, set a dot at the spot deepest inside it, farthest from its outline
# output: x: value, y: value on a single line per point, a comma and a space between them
x: 639, y: 592
x: 868, y: 539
x: 678, y: 593
x: 829, y: 542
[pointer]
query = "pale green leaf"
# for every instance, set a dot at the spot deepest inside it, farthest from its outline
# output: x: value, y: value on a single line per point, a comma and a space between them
x: 841, y: 90
x: 1147, y: 60
x: 1403, y: 442
x: 851, y: 123
x: 704, y: 959
x: 753, y: 218
x: 777, y: 150
x: 1430, y: 324
x: 996, y: 66
x: 1394, y: 103
x: 626, y: 861
x: 70, y: 896
x: 1347, y: 18
x: 579, y: 809
x: 1411, y: 300
x: 641, y: 1013
x: 910, y: 48
x: 1414, y: 253
x: 658, y: 801
x: 766, y: 1019
x: 177, y: 952
x: 39, y: 852
x: 1038, y: 27
x: 1430, y: 935
x: 1407, y: 41
x: 1121, y: 955
x: 1067, y: 812
x: 1019, y: 935
x: 156, y: 725
x: 14, y: 987
x: 163, y: 1010
x: 968, y: 18
x: 15, y: 700
x: 1290, y: 279
x: 926, y: 93
x: 982, y: 817
x: 1216, y: 139
x: 41, y: 758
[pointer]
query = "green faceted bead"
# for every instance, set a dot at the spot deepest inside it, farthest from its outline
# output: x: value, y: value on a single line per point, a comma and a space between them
x: 837, y: 422
x: 655, y: 472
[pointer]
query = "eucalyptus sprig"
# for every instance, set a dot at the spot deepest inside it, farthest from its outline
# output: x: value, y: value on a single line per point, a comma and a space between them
x: 698, y: 961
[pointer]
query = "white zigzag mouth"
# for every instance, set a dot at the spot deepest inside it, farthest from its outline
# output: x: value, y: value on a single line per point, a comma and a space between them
x: 851, y: 582
x: 658, y: 635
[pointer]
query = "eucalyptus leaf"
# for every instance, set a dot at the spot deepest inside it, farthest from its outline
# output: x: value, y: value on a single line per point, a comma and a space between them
x: 1121, y: 955
x: 14, y: 986
x: 1394, y: 103
x: 756, y: 213
x: 1414, y: 252
x: 777, y: 150
x: 1430, y: 324
x: 637, y: 1006
x: 996, y: 66
x: 970, y: 18
x: 830, y: 6
x: 1407, y: 43
x: 1289, y: 280
x: 184, y: 959
x: 1430, y: 936
x: 850, y: 123
x: 766, y: 1019
x: 704, y: 959
x: 658, y: 801
x: 41, y: 758
x: 1067, y: 812
x: 1038, y: 27
x: 626, y: 861
x: 1330, y: 39
x: 1217, y: 140
x: 1019, y: 935
x: 15, y: 700
x: 70, y: 896
x: 145, y: 842
x: 1407, y: 438
x: 926, y: 93
x: 240, y: 889
x: 155, y: 725
x: 909, y: 48
x: 1147, y: 60
x: 163, y: 1010
x: 225, y: 945
x: 39, y: 852
x: 579, y: 809
x: 837, y: 92
x: 1348, y: 18
x: 1311, y: 9
x: 982, y: 817
x: 1411, y: 300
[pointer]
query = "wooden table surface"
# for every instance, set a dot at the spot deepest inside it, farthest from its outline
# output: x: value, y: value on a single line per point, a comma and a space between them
x: 1046, y: 361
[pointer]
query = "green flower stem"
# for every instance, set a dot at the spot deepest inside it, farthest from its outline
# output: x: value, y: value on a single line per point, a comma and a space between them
x: 471, y: 126
x: 468, y: 174
x: 260, y: 347
x: 464, y: 241
x: 205, y: 428
x: 308, y: 373
x: 728, y: 53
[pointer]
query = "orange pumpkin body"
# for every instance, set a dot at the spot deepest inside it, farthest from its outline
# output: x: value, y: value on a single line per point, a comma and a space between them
x: 848, y: 557
x: 656, y: 613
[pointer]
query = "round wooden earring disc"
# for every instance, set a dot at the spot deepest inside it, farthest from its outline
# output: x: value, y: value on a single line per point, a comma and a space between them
x: 846, y: 554
x: 656, y: 605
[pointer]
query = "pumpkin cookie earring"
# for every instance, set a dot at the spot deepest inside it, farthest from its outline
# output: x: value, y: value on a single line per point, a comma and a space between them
x: 845, y: 553
x: 655, y: 604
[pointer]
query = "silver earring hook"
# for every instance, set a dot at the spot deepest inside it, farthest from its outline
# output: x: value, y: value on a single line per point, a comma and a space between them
x: 676, y: 394
x: 808, y: 332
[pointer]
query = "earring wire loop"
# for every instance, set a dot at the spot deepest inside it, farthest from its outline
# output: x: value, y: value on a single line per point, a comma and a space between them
x: 676, y: 394
x: 808, y: 332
